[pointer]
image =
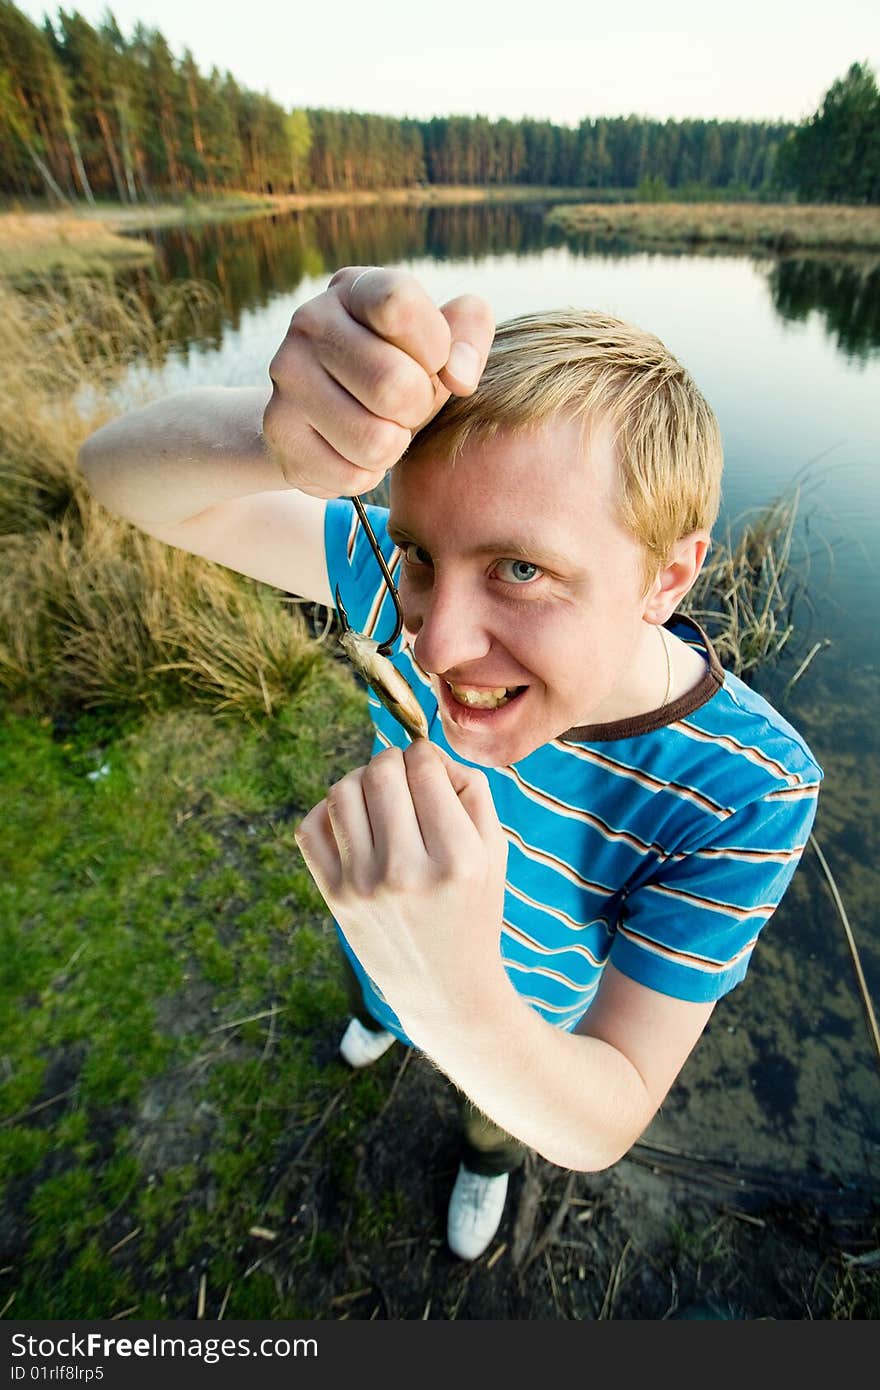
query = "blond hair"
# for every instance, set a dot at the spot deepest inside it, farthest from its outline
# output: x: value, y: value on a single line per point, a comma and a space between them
x: 577, y: 364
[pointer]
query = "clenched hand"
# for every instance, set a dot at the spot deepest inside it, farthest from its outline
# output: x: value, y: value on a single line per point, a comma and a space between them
x: 410, y: 857
x: 363, y: 366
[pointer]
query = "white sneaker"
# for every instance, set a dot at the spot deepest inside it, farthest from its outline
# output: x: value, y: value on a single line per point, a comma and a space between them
x: 360, y: 1046
x: 475, y: 1210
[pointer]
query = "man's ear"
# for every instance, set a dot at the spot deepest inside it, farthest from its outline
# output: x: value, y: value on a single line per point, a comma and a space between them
x: 677, y: 576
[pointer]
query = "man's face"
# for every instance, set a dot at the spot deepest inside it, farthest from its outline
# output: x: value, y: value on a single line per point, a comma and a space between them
x: 523, y: 592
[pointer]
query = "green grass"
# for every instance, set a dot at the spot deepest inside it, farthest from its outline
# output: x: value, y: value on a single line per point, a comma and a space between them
x: 144, y: 913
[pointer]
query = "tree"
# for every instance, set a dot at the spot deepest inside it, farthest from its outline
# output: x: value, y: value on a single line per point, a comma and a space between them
x: 31, y: 119
x: 835, y: 155
x: 299, y: 138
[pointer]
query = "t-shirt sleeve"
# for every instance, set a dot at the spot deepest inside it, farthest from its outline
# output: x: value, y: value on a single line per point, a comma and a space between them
x: 690, y: 928
x: 353, y: 569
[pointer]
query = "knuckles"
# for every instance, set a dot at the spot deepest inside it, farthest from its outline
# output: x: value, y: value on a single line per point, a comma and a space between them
x: 399, y: 393
x: 384, y: 772
x: 308, y: 319
x: 379, y: 443
x: 395, y: 307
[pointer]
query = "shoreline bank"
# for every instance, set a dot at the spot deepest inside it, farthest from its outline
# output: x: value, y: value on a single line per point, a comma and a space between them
x: 774, y: 226
x: 42, y: 242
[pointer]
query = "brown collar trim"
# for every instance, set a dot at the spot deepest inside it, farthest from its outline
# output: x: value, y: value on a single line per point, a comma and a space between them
x: 710, y: 684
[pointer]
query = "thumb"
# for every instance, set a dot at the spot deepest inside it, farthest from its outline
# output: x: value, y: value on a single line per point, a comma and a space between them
x: 472, y: 328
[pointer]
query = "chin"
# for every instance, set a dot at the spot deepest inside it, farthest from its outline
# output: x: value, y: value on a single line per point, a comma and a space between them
x: 489, y: 752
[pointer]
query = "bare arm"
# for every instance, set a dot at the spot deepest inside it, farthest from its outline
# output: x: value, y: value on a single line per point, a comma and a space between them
x: 194, y: 470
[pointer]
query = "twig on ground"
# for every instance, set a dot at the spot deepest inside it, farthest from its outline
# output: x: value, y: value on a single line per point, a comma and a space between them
x: 35, y: 1109
x: 391, y: 1094
x: 744, y: 1216
x: 316, y: 1130
x: 284, y: 1178
x: 553, y: 1227
x: 553, y: 1284
x: 125, y: 1239
x: 270, y: 1035
x: 453, y: 1312
x: 251, y: 1018
x: 342, y: 1298
x: 613, y: 1287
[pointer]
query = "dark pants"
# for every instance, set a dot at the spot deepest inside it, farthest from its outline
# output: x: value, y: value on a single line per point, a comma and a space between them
x: 485, y: 1148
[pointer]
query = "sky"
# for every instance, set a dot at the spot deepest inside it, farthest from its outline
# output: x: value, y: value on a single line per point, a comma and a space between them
x: 752, y: 60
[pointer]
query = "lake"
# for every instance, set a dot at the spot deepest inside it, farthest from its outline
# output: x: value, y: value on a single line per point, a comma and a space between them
x: 787, y: 351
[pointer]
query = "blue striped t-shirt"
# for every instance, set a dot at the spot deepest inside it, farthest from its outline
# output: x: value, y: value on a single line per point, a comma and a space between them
x: 661, y: 843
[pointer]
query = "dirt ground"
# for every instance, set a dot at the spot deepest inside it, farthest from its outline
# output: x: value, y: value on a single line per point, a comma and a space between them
x: 661, y: 1235
x: 754, y: 1193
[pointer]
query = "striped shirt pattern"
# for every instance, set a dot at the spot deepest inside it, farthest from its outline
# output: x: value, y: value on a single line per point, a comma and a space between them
x: 663, y: 851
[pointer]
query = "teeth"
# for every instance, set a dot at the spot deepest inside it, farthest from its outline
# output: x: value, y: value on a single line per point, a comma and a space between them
x: 481, y: 699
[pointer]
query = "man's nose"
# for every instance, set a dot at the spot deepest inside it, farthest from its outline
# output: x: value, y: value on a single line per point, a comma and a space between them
x: 448, y: 625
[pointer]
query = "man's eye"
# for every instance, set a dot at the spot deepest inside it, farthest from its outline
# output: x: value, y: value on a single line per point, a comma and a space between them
x: 517, y: 571
x: 415, y: 555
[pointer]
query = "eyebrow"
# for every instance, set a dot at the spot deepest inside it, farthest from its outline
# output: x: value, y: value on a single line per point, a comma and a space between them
x: 537, y: 552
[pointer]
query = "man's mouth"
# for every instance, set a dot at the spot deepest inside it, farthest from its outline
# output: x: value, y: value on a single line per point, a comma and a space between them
x: 482, y: 696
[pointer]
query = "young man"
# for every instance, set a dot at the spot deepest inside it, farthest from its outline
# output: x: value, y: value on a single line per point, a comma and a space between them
x: 550, y: 895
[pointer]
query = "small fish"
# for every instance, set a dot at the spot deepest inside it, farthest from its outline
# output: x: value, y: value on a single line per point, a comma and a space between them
x: 385, y: 679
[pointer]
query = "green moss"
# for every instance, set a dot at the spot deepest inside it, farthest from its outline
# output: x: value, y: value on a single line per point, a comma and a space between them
x: 143, y: 916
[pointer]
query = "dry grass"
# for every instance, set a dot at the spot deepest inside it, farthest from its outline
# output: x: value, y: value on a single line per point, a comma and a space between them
x: 777, y: 227
x: 36, y: 244
x: 93, y: 612
x: 746, y: 593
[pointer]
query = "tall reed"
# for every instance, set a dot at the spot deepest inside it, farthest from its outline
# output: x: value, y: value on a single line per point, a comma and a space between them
x: 748, y: 589
x: 92, y: 611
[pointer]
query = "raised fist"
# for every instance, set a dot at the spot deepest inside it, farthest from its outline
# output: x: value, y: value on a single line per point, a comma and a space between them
x: 363, y: 367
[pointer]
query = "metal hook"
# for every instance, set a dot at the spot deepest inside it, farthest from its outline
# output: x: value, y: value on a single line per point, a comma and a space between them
x: 384, y: 647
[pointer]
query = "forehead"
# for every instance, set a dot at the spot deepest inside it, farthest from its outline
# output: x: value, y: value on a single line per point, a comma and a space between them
x: 556, y: 485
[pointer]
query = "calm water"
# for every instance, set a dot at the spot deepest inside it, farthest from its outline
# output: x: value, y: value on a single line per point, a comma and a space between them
x: 788, y: 353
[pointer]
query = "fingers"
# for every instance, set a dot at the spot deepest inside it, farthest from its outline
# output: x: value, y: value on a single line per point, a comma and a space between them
x: 471, y: 330
x: 350, y: 824
x: 450, y: 801
x: 386, y: 379
x: 363, y: 366
x: 358, y: 434
x: 397, y: 836
x: 308, y: 461
x: 397, y: 308
x: 317, y: 845
x: 383, y: 824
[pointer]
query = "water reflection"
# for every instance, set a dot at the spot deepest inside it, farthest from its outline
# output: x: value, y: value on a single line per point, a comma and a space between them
x: 845, y: 292
x: 251, y: 261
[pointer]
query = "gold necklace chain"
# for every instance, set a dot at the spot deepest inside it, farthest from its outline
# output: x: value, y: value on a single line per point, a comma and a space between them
x: 668, y: 666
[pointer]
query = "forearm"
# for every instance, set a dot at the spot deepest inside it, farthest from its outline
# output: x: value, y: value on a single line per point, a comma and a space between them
x: 576, y: 1100
x: 170, y: 460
